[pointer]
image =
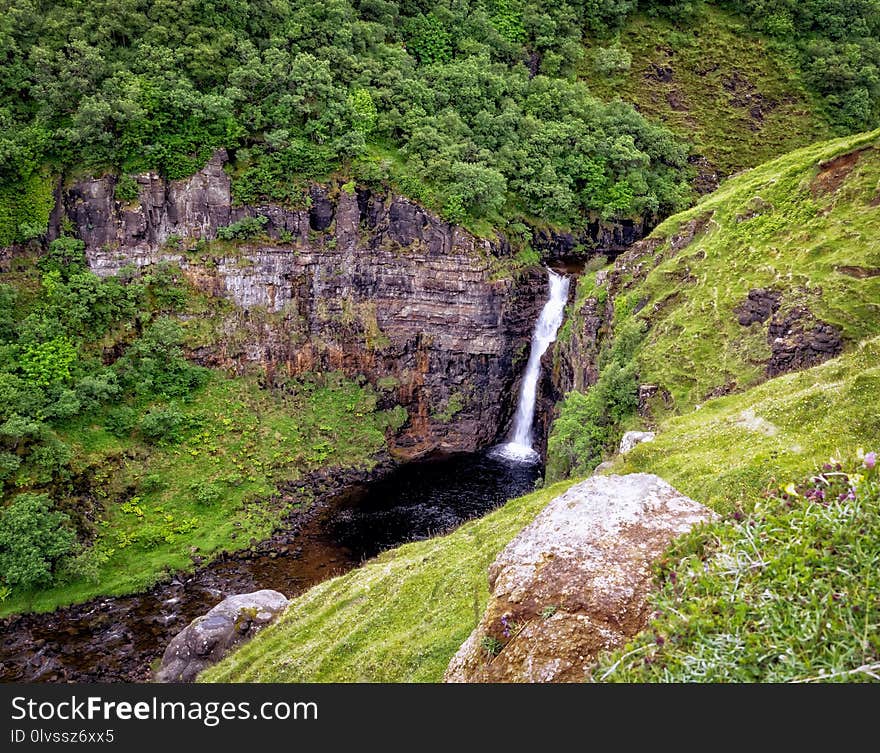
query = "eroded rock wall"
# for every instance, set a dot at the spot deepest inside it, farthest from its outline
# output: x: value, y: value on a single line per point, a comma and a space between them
x: 362, y: 282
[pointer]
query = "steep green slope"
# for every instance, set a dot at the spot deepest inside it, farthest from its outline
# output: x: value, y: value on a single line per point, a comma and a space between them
x: 804, y: 227
x: 401, y: 617
x: 738, y: 99
x: 777, y: 270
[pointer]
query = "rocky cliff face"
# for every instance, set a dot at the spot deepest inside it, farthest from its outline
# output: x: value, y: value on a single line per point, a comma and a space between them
x: 362, y: 282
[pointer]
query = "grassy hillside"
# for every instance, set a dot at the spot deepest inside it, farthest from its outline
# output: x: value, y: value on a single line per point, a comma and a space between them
x: 784, y: 588
x: 733, y: 448
x: 399, y: 618
x: 777, y: 270
x: 402, y: 616
x: 736, y: 97
x: 802, y: 226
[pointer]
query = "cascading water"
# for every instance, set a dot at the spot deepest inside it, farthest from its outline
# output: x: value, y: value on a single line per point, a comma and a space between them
x: 519, y: 447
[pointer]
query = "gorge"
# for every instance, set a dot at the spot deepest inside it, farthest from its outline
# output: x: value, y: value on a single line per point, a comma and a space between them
x: 120, y: 638
x: 503, y: 340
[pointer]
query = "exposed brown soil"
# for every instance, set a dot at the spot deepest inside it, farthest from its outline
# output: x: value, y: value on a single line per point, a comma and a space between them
x: 860, y: 273
x: 833, y: 172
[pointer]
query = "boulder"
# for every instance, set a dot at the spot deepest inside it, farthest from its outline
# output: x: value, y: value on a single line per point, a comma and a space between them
x: 632, y: 438
x: 575, y: 582
x: 208, y: 638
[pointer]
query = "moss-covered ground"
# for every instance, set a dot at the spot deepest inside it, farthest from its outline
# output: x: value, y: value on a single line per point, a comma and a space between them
x: 215, y: 490
x: 733, y: 95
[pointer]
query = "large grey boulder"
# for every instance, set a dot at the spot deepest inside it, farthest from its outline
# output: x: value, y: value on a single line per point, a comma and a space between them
x: 210, y: 637
x: 632, y: 438
x: 575, y: 581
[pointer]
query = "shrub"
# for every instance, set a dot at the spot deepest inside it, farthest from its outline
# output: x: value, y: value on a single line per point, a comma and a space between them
x: 33, y: 537
x: 166, y: 287
x: 363, y: 111
x: 429, y: 39
x: 25, y: 204
x: 49, y: 460
x: 120, y: 421
x: 86, y: 564
x: 18, y: 397
x: 453, y: 209
x: 65, y: 404
x: 246, y: 228
x: 611, y: 60
x: 153, y: 482
x: 126, y: 188
x: 205, y: 492
x: 9, y: 464
x: 49, y: 362
x: 164, y: 425
x: 65, y: 256
x: 96, y: 389
x: 589, y: 423
x: 155, y: 365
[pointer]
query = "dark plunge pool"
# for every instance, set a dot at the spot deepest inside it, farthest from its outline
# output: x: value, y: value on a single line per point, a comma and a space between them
x: 119, y: 638
x: 422, y: 500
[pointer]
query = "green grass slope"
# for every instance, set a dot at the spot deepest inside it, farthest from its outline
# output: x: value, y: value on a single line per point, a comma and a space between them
x: 402, y: 617
x: 809, y: 232
x: 735, y: 97
x: 399, y: 618
x: 733, y: 448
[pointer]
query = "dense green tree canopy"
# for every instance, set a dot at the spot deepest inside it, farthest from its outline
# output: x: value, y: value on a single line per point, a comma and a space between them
x: 476, y: 98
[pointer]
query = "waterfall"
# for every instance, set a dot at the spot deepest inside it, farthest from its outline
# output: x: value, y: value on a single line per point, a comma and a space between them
x: 519, y: 445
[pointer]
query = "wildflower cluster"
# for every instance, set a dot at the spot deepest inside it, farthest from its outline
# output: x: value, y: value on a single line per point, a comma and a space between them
x: 832, y: 483
x: 789, y: 592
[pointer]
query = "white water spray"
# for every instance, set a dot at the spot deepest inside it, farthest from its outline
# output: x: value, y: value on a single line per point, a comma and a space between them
x: 519, y: 446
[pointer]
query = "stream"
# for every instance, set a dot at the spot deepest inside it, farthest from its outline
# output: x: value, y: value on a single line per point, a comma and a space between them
x: 122, y: 638
x: 118, y: 639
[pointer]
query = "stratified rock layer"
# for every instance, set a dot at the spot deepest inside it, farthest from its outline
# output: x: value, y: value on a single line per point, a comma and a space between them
x: 360, y: 282
x: 575, y: 581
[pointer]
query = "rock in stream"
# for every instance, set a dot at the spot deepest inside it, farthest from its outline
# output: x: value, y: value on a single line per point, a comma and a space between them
x: 208, y: 638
